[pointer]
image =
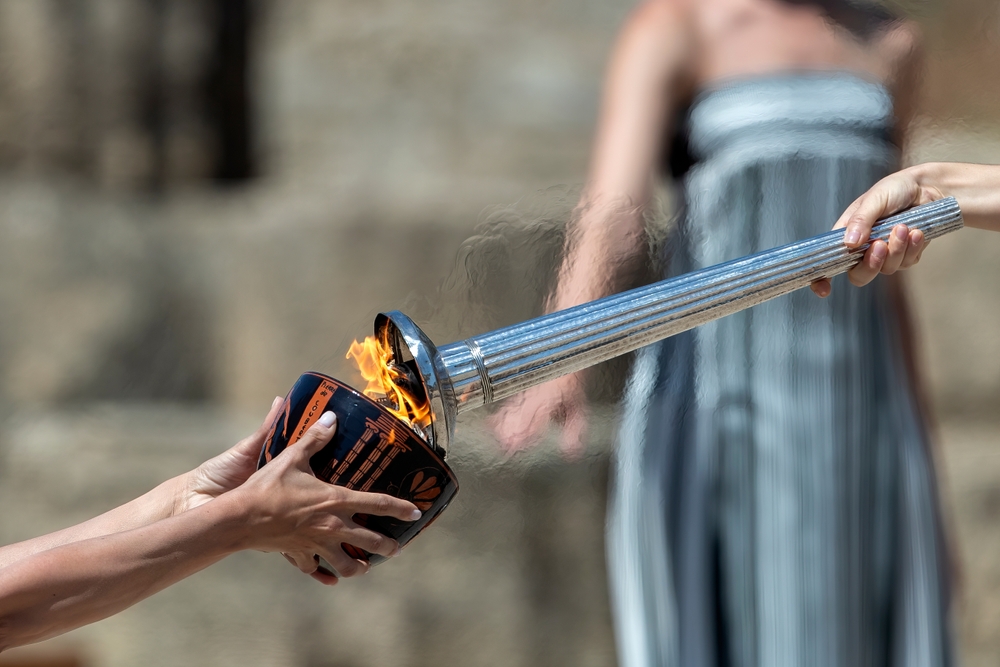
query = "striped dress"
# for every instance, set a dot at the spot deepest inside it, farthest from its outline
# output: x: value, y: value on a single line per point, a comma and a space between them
x: 773, y: 498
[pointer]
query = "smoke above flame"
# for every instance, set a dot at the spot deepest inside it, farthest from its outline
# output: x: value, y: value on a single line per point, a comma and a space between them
x: 388, y: 382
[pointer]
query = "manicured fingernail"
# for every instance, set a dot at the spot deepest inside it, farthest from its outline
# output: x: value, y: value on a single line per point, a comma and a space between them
x: 901, y: 232
x: 916, y: 238
x: 276, y: 401
x: 853, y: 237
x: 415, y: 514
x: 328, y: 419
x: 879, y: 251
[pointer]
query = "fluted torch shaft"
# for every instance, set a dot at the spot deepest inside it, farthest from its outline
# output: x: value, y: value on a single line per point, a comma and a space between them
x: 500, y: 363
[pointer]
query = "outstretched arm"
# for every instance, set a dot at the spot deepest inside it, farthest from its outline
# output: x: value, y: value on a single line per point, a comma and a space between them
x: 282, y: 507
x: 209, y: 480
x: 54, y: 591
x: 975, y: 186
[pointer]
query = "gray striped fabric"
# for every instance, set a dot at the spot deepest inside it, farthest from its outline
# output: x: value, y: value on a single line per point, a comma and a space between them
x: 773, y: 501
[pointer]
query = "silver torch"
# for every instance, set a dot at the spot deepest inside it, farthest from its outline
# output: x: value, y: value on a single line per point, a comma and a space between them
x: 396, y: 440
x: 477, y: 371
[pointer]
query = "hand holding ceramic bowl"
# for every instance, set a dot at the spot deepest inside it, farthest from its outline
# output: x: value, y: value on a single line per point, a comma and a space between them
x: 372, y: 451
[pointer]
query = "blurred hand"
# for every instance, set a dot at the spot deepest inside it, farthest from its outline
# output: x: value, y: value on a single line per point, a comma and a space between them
x: 892, y: 194
x: 524, y: 418
x: 289, y: 510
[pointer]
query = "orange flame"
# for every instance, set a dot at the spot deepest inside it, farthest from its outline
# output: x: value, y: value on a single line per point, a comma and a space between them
x: 374, y: 357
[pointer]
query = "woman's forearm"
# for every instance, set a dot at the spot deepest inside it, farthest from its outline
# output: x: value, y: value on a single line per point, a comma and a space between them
x: 975, y: 186
x: 604, y: 243
x: 50, y: 592
x: 649, y: 72
x: 153, y: 506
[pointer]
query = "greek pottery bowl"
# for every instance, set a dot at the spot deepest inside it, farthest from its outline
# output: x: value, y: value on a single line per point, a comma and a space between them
x: 372, y: 450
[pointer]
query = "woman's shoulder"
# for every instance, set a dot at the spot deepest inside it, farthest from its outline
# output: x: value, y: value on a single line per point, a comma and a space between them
x: 659, y: 18
x: 899, y: 45
x: 660, y: 34
x: 662, y: 10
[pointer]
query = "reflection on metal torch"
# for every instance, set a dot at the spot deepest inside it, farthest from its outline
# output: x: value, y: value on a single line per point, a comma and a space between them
x: 478, y: 371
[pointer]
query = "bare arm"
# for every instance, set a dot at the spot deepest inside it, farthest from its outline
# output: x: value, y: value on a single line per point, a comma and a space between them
x: 644, y: 80
x: 975, y: 186
x: 54, y: 591
x: 214, y: 477
x: 645, y: 77
x: 902, y: 47
x: 282, y: 507
x: 149, y: 508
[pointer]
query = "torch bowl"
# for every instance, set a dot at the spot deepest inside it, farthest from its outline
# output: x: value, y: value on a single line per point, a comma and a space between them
x: 372, y: 450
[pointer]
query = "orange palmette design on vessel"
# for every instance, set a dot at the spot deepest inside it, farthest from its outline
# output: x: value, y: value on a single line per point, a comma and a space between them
x: 387, y: 381
x: 421, y: 487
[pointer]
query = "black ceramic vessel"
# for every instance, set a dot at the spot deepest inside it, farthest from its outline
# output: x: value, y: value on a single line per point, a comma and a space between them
x: 372, y: 450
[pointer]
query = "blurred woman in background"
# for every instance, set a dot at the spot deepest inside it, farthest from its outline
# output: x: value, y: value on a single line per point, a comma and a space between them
x: 773, y: 500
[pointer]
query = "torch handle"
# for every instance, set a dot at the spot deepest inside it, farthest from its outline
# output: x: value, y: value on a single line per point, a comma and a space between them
x: 506, y: 361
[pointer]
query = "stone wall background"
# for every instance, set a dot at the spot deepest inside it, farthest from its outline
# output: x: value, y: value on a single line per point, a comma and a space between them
x: 163, y: 275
